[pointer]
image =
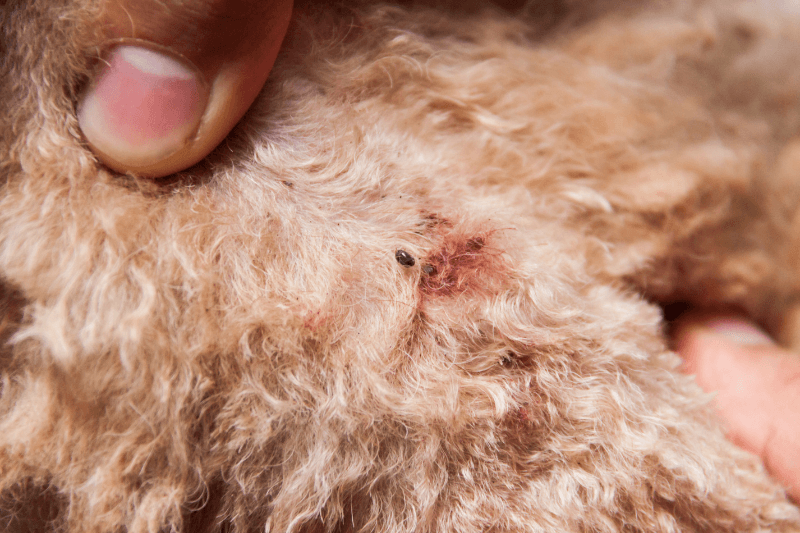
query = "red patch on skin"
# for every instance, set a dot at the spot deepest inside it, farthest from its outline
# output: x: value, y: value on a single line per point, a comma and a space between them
x: 463, y: 263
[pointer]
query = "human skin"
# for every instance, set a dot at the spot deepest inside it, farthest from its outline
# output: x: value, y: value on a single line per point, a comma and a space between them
x: 176, y: 77
x: 757, y: 386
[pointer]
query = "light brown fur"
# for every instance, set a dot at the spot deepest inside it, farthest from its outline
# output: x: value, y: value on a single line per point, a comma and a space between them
x: 237, y: 347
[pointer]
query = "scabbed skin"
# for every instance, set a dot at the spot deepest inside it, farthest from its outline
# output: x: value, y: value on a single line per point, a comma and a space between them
x: 239, y: 348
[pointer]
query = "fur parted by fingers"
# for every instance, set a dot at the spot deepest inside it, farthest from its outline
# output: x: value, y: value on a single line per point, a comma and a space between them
x: 243, y: 346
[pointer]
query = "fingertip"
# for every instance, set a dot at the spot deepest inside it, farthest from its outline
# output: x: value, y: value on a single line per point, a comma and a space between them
x: 144, y: 106
x: 700, y: 335
x: 733, y: 327
x: 737, y: 330
x: 739, y: 362
x: 162, y: 103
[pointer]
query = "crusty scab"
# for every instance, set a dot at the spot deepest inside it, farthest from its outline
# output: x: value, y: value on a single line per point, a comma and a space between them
x: 463, y: 262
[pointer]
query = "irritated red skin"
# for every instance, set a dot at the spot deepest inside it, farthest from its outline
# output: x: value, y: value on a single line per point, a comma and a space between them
x: 463, y: 262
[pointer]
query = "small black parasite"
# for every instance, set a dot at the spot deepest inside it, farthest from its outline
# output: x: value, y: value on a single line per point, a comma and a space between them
x: 404, y: 258
x: 428, y: 270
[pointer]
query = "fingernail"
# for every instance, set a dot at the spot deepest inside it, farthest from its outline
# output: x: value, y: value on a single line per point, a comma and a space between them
x: 739, y: 331
x: 144, y: 105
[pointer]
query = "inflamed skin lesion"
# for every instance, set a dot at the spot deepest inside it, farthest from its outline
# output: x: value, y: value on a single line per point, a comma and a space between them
x: 462, y: 263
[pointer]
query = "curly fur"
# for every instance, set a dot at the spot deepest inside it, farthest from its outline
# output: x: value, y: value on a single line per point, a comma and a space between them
x: 237, y: 348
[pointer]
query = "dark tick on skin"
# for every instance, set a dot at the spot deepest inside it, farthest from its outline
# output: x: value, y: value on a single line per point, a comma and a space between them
x: 428, y: 270
x: 404, y: 258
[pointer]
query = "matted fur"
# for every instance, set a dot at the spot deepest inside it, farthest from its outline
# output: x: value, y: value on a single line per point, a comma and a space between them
x: 238, y: 348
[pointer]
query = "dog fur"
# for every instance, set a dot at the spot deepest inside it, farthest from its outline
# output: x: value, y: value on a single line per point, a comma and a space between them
x: 239, y: 348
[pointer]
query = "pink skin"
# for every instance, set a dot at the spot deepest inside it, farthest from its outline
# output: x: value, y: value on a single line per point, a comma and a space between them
x: 142, y: 105
x: 146, y: 103
x: 757, y: 385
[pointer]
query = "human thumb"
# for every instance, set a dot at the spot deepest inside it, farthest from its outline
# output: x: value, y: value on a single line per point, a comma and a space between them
x: 175, y: 77
x: 757, y: 385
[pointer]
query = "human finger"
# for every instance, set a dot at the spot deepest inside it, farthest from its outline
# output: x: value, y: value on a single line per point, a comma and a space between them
x: 757, y: 385
x: 176, y: 77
